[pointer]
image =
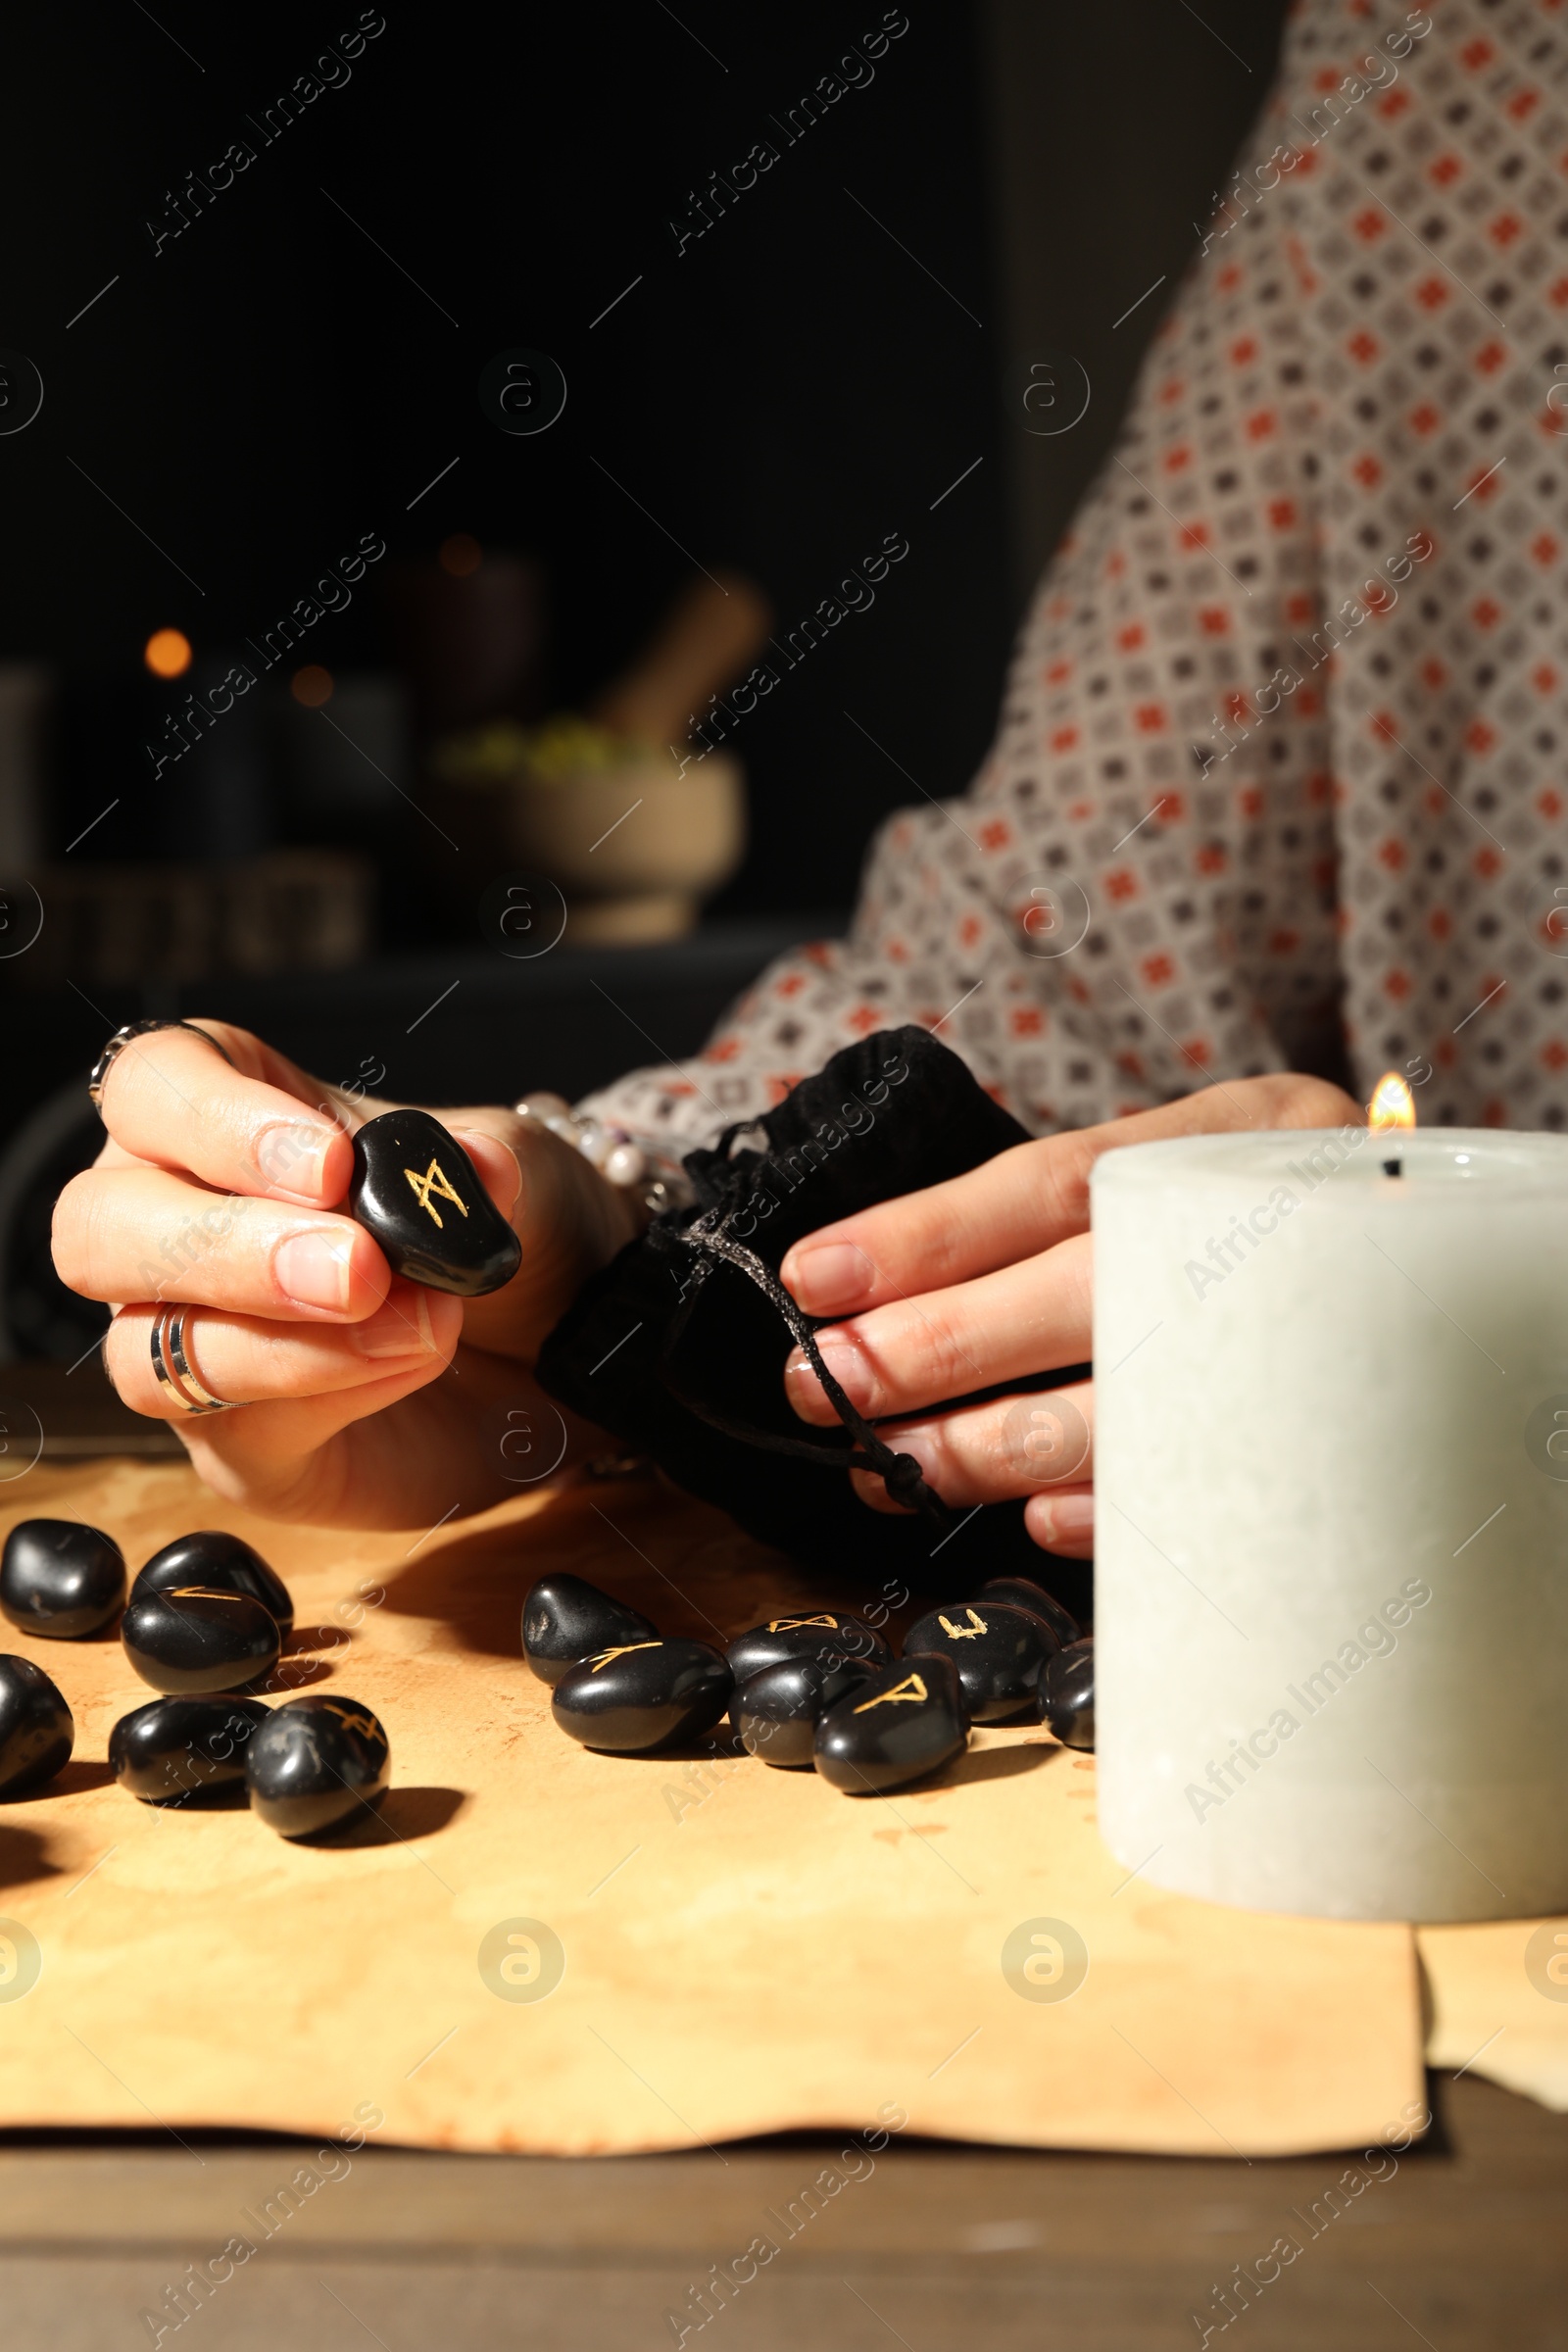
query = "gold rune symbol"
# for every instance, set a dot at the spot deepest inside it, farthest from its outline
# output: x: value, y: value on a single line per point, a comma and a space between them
x: 605, y: 1655
x: 434, y: 1181
x: 789, y: 1625
x: 964, y: 1633
x: 352, y: 1721
x: 907, y: 1693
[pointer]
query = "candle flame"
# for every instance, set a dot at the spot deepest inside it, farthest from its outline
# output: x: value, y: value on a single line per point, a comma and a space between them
x: 1393, y: 1104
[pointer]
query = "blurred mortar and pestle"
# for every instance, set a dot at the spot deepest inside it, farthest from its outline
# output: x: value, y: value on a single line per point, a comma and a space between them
x: 625, y: 806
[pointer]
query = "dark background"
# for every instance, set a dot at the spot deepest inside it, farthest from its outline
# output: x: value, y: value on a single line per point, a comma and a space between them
x: 779, y: 397
x: 797, y: 385
x: 270, y: 386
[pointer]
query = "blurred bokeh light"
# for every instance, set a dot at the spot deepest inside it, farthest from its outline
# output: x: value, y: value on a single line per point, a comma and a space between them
x: 167, y: 653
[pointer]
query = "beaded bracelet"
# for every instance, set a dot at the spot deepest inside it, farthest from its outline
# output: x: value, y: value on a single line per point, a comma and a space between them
x: 624, y: 1160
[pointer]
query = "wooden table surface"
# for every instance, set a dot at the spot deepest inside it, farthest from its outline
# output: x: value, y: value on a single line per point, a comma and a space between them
x: 1463, y: 2245
x: 942, y: 2249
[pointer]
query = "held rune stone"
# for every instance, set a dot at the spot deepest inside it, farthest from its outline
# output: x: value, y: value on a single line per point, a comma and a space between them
x: 415, y: 1191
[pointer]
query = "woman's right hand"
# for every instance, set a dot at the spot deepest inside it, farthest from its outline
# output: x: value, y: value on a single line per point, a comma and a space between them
x: 223, y: 1188
x: 979, y: 1283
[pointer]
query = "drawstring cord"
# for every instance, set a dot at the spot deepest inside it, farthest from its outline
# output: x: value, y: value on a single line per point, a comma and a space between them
x: 901, y: 1473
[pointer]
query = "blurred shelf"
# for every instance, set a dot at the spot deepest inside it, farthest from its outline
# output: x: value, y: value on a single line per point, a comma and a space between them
x: 448, y: 1026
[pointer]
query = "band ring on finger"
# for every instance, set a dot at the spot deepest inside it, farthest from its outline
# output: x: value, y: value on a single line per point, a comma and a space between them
x: 173, y: 1365
x: 122, y: 1039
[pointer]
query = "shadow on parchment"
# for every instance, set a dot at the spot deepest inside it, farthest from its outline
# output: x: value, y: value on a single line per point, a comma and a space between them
x: 308, y: 1638
x: 109, y: 1631
x: 25, y: 1858
x: 403, y: 1815
x: 681, y: 1562
x: 289, y: 1675
x: 72, y: 1778
x: 1000, y: 1763
x: 977, y: 1764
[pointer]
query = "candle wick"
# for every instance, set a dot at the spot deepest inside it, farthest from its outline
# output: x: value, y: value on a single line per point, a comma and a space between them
x: 1393, y: 1167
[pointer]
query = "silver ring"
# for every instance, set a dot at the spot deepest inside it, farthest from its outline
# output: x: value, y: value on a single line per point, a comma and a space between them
x: 122, y: 1039
x: 173, y: 1365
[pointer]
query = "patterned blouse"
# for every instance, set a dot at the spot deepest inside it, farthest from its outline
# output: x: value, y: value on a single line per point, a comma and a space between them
x: 1277, y: 780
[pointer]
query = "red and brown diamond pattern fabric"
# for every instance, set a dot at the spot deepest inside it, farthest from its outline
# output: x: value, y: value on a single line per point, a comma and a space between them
x: 1281, y: 758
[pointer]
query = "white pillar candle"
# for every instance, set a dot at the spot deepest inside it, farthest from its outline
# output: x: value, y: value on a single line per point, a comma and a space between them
x: 1332, y: 1520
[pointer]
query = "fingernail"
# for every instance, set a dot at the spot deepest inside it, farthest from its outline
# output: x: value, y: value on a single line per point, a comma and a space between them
x: 312, y: 1269
x: 1067, y: 1517
x: 825, y: 1279
x: 875, y: 1494
x: 844, y: 1360
x: 402, y: 1329
x: 293, y: 1154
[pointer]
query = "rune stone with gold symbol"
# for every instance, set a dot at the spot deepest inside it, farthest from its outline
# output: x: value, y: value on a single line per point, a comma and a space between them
x: 434, y: 1181
x: 419, y: 1193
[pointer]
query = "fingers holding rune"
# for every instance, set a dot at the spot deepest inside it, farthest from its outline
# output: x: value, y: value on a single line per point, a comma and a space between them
x: 166, y: 1360
x: 259, y: 1126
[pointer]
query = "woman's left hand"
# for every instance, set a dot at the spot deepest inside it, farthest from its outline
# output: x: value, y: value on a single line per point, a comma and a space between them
x: 987, y: 1279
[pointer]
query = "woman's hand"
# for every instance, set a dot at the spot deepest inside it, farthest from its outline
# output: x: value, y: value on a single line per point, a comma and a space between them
x: 985, y: 1279
x: 364, y: 1396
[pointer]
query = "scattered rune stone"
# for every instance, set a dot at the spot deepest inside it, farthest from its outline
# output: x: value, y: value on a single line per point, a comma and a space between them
x: 999, y: 1653
x: 180, y: 1750
x: 565, y: 1619
x: 223, y: 1564
x: 775, y: 1713
x: 416, y: 1192
x: 907, y: 1721
x: 1023, y: 1593
x: 61, y: 1579
x: 1067, y: 1694
x: 638, y: 1695
x: 198, y: 1638
x: 824, y: 1635
x: 317, y: 1762
x: 36, y: 1728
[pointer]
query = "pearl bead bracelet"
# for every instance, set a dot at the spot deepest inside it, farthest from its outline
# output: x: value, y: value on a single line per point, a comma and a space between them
x: 620, y: 1158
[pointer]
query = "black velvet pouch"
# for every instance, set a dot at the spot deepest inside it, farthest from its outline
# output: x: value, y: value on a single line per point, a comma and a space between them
x: 677, y: 1349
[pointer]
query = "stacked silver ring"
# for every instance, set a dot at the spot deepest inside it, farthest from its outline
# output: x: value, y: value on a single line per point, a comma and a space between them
x: 121, y: 1038
x: 173, y: 1365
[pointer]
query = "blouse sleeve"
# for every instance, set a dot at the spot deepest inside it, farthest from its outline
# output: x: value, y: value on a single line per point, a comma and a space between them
x: 1228, y: 823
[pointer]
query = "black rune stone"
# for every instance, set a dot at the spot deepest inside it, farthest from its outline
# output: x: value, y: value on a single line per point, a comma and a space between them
x: 36, y: 1728
x: 223, y: 1564
x: 61, y: 1579
x: 1067, y: 1694
x: 637, y: 1696
x: 907, y: 1721
x: 1023, y: 1593
x: 317, y: 1762
x: 196, y: 1638
x: 417, y: 1192
x: 178, y: 1751
x: 565, y: 1619
x: 775, y: 1713
x: 826, y: 1634
x: 999, y: 1653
